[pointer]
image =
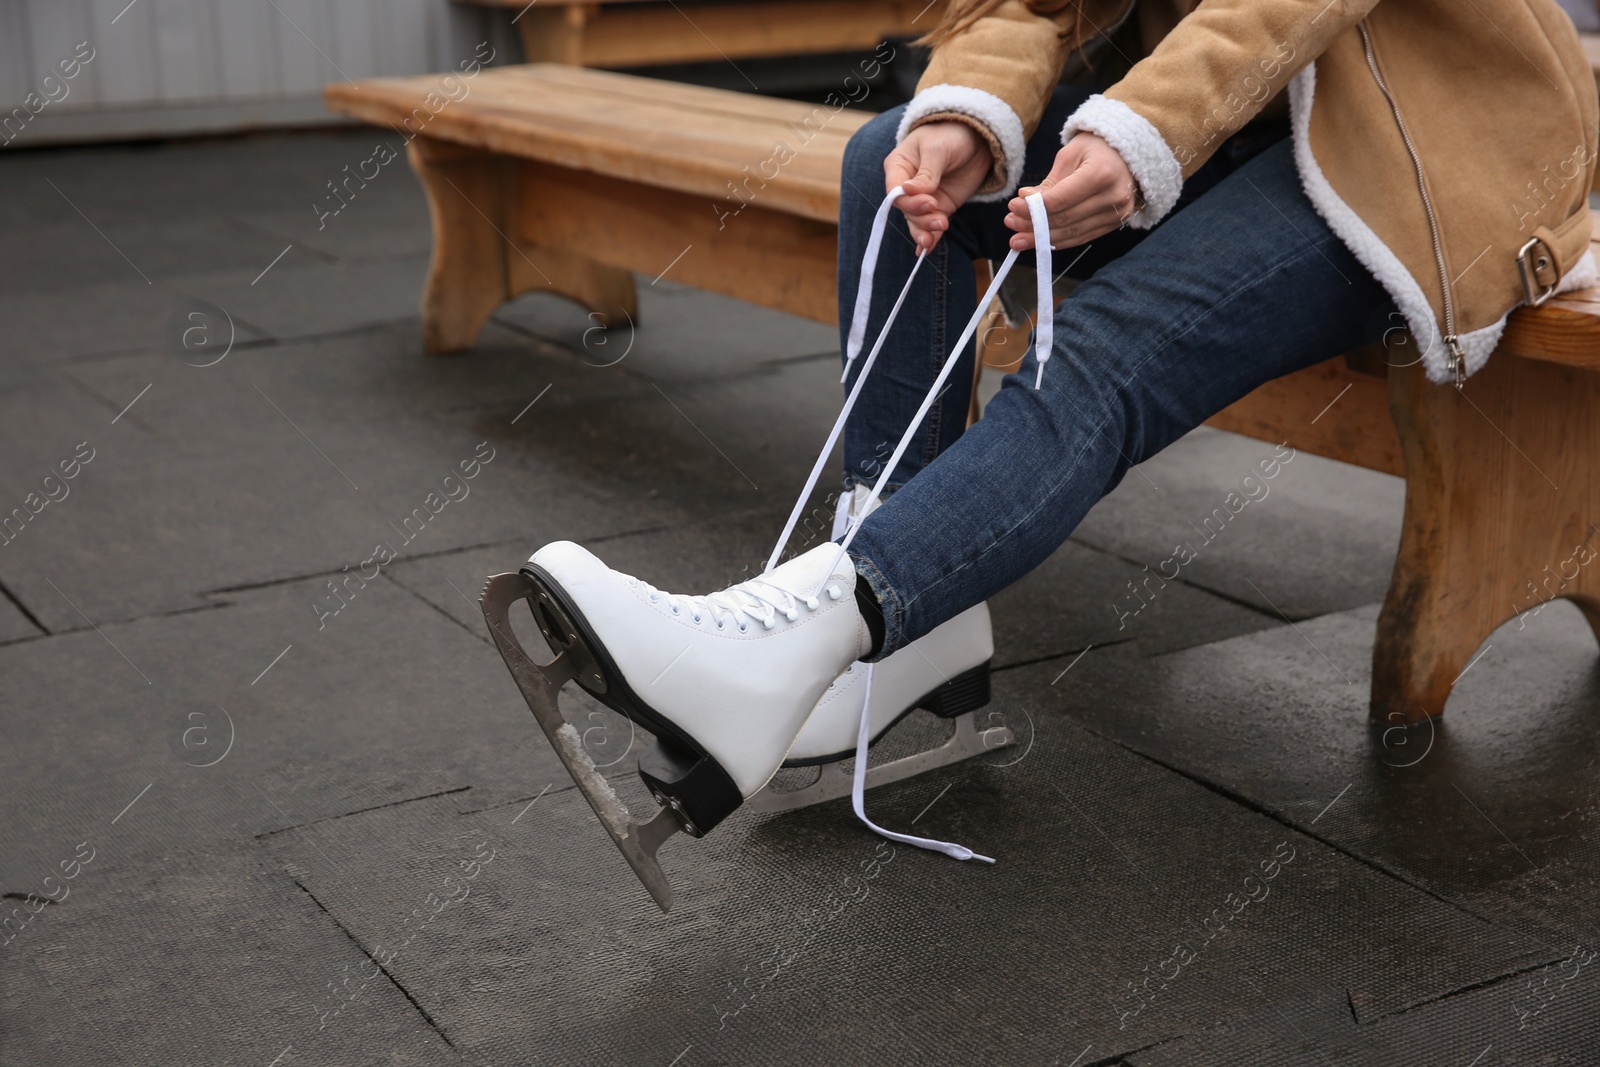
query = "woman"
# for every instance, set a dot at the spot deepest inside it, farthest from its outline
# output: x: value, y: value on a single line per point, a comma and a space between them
x: 1434, y: 160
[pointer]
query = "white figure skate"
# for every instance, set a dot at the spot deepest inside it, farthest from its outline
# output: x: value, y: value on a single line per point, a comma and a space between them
x: 724, y: 681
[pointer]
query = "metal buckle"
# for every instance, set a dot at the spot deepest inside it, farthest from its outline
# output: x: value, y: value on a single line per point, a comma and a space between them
x: 1529, y: 271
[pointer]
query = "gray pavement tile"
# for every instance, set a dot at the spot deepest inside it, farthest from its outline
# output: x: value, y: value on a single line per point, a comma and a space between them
x: 14, y: 623
x: 47, y: 414
x: 62, y: 257
x: 1545, y: 1016
x: 1077, y: 598
x: 253, y: 719
x: 179, y: 956
x: 681, y: 335
x: 373, y: 226
x: 205, y: 485
x: 1319, y: 537
x: 174, y: 179
x: 801, y: 938
x: 48, y: 424
x: 119, y: 315
x: 692, y: 450
x: 1494, y: 807
x: 303, y: 296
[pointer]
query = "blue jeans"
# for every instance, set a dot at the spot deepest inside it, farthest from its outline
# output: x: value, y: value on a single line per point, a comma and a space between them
x: 1241, y: 284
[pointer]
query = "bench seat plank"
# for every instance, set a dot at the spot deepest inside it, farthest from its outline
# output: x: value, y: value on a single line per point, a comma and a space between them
x: 683, y: 138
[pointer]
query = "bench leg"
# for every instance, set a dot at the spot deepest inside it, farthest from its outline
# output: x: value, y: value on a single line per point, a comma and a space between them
x: 467, y: 281
x: 1502, y: 514
x: 553, y: 34
x: 478, y: 261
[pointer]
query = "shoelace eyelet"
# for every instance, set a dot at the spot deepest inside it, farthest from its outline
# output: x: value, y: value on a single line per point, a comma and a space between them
x: 791, y: 615
x: 833, y: 592
x: 654, y: 597
x: 743, y: 628
x: 677, y: 610
x: 697, y: 620
x: 768, y: 624
x: 811, y: 603
x: 722, y: 624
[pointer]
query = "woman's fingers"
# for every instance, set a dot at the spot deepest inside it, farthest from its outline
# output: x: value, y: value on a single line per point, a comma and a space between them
x: 917, y: 163
x: 901, y: 165
x: 939, y: 166
x: 1089, y: 193
x: 1075, y: 234
x: 1111, y: 203
x: 920, y: 204
x: 1082, y: 225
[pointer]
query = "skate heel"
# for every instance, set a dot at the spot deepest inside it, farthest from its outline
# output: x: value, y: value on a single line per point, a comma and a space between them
x: 695, y: 787
x: 966, y: 692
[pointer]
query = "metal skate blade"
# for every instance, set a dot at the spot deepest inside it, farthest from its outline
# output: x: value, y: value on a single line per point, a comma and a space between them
x: 965, y: 742
x: 541, y: 687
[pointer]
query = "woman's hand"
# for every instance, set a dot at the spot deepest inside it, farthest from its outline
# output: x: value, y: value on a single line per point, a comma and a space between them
x: 941, y: 164
x: 1088, y: 193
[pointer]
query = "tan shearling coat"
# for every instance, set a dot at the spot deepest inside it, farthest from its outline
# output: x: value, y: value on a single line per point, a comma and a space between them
x: 1450, y: 144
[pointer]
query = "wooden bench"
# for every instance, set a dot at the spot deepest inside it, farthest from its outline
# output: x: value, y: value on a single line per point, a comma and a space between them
x: 626, y: 33
x: 564, y: 179
x: 555, y: 178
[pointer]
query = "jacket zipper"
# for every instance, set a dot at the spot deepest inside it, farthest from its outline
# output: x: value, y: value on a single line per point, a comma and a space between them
x: 1117, y: 25
x: 1458, y: 357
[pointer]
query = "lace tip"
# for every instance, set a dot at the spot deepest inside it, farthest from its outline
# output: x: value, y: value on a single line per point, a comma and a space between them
x: 1038, y: 383
x: 985, y: 859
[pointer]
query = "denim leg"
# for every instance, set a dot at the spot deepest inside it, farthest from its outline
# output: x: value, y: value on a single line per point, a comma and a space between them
x: 1244, y: 285
x: 936, y: 309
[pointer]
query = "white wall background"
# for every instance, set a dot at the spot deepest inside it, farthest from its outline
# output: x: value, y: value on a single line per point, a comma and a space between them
x: 185, y: 66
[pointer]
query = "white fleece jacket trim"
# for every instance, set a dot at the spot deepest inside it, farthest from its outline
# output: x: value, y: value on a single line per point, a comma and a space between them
x: 1584, y: 273
x: 1141, y: 147
x: 1384, y: 265
x: 984, y: 107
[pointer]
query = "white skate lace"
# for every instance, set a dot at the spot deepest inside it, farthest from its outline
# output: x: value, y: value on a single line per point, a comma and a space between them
x: 1044, y: 312
x: 1044, y: 335
x: 858, y: 791
x: 757, y: 600
x: 1043, y: 340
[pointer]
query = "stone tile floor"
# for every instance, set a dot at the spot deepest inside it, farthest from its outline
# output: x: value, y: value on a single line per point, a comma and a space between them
x: 239, y: 794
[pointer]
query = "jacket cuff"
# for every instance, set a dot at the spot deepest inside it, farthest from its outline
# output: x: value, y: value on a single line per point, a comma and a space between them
x: 1141, y: 147
x: 992, y: 115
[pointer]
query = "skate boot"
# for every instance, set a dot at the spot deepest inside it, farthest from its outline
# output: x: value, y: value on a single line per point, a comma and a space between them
x: 724, y: 681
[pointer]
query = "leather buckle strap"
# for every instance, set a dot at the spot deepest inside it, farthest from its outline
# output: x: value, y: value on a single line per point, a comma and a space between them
x: 1534, y: 267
